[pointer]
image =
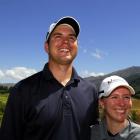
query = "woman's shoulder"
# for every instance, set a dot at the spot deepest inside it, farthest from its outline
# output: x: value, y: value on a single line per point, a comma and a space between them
x: 135, y: 126
x: 95, y: 132
x: 95, y: 126
x: 132, y: 132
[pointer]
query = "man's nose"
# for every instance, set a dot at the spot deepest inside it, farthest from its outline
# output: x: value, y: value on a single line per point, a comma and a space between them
x: 66, y: 40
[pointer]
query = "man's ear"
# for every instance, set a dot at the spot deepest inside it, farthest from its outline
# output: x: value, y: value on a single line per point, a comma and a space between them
x: 46, y: 47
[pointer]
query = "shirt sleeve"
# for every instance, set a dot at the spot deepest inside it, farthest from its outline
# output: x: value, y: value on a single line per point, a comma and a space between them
x: 12, y: 122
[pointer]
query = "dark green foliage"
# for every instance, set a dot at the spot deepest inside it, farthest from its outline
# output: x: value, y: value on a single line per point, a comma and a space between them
x: 4, y: 89
x: 3, y: 100
x: 2, y: 106
x: 134, y: 116
x: 134, y: 81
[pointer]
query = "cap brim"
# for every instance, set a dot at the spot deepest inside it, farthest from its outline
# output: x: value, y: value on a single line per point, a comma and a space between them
x: 114, y: 86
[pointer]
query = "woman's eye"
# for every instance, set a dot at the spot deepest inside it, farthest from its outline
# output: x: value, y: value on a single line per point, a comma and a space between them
x: 114, y: 97
x: 127, y: 97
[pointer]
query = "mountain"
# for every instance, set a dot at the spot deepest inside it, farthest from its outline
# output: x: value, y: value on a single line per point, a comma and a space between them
x: 131, y: 74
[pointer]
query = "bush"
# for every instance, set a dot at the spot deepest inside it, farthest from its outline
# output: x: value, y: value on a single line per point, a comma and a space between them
x: 3, y: 100
x: 134, y: 116
x: 2, y: 107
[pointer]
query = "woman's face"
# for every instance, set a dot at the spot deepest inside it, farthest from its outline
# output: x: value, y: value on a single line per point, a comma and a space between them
x: 118, y: 105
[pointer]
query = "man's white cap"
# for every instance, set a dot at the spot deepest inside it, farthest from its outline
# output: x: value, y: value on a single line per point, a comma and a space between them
x: 64, y: 20
x: 111, y: 83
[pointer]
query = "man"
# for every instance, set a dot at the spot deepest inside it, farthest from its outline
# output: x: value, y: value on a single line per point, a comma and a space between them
x: 55, y: 103
x: 115, y: 100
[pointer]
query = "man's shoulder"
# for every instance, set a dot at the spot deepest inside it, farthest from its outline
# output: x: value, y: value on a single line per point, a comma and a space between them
x: 31, y: 80
x: 87, y: 82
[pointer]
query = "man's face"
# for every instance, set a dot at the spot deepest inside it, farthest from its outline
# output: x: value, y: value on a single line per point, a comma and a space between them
x: 63, y: 46
x: 117, y: 106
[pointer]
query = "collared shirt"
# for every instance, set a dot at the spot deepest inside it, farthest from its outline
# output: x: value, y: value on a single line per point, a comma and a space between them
x: 130, y: 132
x: 40, y: 108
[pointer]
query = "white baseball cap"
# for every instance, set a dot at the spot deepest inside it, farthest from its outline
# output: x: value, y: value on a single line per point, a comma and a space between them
x: 67, y: 20
x: 111, y: 83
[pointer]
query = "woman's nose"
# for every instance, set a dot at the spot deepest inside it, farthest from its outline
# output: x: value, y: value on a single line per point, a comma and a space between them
x: 121, y: 101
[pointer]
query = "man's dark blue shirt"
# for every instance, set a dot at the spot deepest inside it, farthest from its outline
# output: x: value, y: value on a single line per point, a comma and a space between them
x: 41, y: 108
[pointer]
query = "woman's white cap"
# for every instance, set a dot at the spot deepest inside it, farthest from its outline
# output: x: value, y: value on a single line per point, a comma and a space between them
x: 111, y: 83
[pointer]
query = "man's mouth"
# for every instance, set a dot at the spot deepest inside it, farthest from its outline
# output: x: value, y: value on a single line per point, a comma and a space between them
x: 64, y: 50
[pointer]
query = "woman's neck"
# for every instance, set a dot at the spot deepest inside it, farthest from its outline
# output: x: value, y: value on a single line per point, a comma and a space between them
x: 115, y: 127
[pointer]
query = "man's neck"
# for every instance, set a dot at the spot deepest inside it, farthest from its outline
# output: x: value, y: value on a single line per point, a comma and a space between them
x: 62, y: 73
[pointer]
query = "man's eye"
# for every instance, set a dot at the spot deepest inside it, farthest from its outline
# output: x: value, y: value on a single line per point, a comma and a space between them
x: 57, y: 36
x: 72, y: 38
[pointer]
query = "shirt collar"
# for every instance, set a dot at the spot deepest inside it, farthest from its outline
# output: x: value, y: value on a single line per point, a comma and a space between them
x: 49, y: 76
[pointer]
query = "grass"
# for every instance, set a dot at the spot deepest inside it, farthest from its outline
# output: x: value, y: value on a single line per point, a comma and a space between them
x: 3, y: 100
x: 136, y: 110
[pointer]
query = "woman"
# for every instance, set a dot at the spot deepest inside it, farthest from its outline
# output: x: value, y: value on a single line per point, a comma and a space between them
x: 115, y: 100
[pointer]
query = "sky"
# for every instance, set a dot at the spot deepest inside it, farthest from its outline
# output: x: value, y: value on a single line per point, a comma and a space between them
x: 109, y: 38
